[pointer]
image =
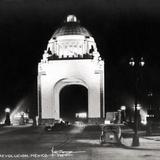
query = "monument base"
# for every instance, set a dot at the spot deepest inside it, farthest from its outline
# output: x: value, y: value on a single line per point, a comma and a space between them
x: 96, y: 121
x: 91, y: 121
x: 47, y: 122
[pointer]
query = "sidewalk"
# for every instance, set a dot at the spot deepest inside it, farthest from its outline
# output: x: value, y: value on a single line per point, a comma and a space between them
x: 7, y: 129
x: 146, y: 143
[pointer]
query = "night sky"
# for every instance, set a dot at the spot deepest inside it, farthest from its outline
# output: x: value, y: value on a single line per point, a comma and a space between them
x: 121, y: 29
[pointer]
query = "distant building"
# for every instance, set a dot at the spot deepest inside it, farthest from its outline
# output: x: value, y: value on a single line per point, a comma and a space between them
x: 71, y: 58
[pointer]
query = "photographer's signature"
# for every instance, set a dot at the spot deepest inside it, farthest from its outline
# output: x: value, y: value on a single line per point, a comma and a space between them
x: 61, y: 153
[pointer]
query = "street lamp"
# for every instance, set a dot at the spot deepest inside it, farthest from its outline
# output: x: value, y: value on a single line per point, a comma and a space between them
x: 7, y: 121
x: 123, y: 108
x: 136, y: 66
x: 123, y: 113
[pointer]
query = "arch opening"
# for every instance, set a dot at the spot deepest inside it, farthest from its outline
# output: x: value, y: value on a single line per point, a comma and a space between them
x: 73, y: 100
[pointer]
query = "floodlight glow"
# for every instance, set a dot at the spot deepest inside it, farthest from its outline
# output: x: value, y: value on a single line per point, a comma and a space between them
x: 123, y: 108
x: 81, y: 115
x: 19, y: 115
x: 138, y: 107
x: 71, y: 18
x: 142, y: 63
x: 144, y: 116
x: 144, y: 122
x: 107, y: 122
x: 18, y: 109
x: 132, y: 63
x: 7, y: 110
x: 61, y: 120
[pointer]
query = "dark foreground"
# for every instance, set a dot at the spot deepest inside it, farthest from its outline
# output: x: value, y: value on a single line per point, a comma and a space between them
x: 78, y: 142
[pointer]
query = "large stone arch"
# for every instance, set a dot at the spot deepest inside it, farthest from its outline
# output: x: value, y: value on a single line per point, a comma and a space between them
x: 59, y: 86
x: 53, y: 77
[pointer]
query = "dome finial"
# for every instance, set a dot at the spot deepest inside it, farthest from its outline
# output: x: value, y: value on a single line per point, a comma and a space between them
x: 71, y: 18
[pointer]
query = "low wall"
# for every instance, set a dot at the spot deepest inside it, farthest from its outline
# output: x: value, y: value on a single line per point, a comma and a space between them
x: 96, y: 120
x: 47, y: 121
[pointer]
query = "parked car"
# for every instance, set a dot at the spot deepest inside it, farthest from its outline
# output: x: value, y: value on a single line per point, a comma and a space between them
x: 111, y: 133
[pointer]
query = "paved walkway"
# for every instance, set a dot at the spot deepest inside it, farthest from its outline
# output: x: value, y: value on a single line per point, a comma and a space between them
x: 77, y: 143
x: 148, y: 143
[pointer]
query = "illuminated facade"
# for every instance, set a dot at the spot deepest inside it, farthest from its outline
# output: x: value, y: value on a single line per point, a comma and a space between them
x: 71, y: 58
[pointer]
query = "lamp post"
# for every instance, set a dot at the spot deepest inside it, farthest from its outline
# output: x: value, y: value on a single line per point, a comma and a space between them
x: 136, y: 65
x: 123, y: 114
x: 150, y: 112
x: 7, y: 121
x: 150, y: 94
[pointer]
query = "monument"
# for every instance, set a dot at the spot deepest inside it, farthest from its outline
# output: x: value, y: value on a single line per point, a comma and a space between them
x: 71, y: 58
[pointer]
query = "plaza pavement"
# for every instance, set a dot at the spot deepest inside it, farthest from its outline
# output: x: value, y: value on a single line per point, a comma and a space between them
x: 77, y: 143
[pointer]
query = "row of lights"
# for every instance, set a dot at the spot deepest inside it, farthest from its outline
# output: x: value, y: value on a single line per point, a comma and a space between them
x: 123, y: 108
x: 133, y: 63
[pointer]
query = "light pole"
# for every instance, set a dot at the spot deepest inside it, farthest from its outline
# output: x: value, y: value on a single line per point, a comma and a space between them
x: 7, y: 121
x: 150, y: 112
x: 123, y: 114
x: 150, y: 94
x: 136, y: 65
